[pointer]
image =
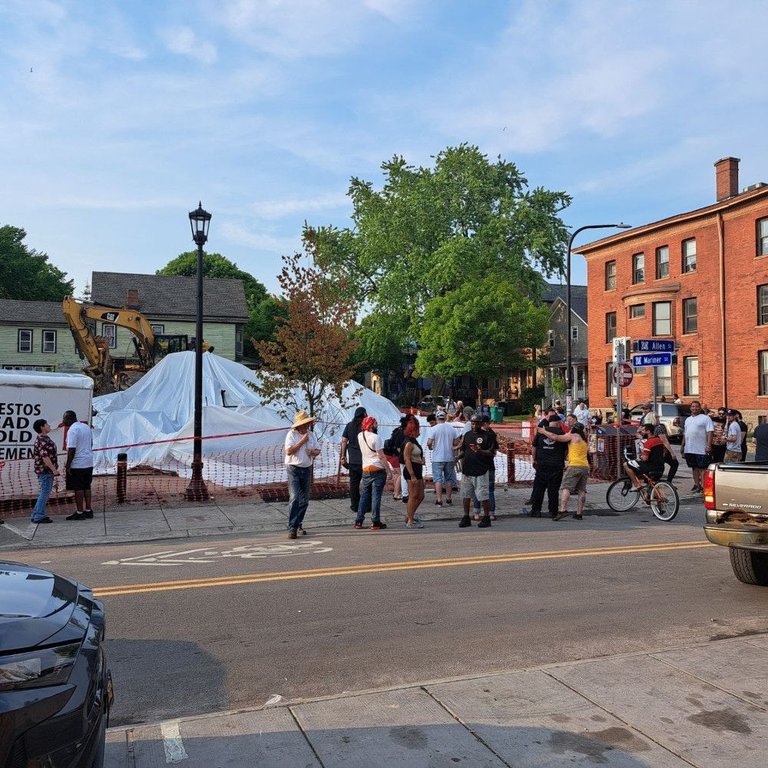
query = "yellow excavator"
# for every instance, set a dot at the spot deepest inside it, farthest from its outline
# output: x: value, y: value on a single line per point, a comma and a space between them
x: 110, y: 374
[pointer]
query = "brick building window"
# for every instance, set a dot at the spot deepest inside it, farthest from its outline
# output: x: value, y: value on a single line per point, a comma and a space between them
x: 610, y: 326
x: 662, y: 262
x: 662, y: 318
x: 638, y: 268
x: 762, y: 368
x: 691, y: 370
x: 610, y: 386
x: 24, y: 340
x: 636, y: 310
x: 49, y: 341
x: 762, y: 237
x: 610, y: 276
x: 689, y: 255
x: 109, y: 331
x: 664, y: 379
x: 762, y: 304
x: 690, y: 316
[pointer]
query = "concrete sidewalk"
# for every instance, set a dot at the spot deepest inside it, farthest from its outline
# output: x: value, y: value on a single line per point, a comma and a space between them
x: 704, y: 705
x: 119, y: 523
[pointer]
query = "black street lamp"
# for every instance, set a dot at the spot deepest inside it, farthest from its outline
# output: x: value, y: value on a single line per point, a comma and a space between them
x: 569, y: 366
x: 196, y: 490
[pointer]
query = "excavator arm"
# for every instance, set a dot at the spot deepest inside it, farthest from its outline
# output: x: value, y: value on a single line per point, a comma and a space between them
x: 81, y: 317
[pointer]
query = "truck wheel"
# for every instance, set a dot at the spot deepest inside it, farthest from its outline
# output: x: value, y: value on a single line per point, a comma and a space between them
x: 749, y: 567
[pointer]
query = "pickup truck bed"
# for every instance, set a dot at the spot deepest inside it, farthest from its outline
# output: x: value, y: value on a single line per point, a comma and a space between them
x: 736, y: 502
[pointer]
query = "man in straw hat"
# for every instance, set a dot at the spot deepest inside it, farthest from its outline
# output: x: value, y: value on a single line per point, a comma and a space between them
x: 301, y: 448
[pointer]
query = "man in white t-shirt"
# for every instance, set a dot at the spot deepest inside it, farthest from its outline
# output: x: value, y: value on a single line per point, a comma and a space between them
x: 78, y: 469
x: 301, y: 448
x: 581, y: 412
x: 443, y: 439
x: 696, y: 445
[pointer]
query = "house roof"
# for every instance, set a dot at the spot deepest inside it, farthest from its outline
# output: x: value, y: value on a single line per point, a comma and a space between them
x: 172, y: 296
x: 17, y: 312
x: 553, y: 292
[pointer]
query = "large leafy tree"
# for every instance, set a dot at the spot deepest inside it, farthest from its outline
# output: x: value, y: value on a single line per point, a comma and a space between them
x: 479, y: 329
x: 310, y: 359
x: 263, y: 309
x: 27, y: 274
x: 428, y: 231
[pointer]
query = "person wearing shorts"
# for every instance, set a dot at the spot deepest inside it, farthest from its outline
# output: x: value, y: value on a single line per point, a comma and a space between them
x: 442, y: 441
x: 79, y: 465
x: 477, y: 460
x: 576, y: 474
x: 696, y: 445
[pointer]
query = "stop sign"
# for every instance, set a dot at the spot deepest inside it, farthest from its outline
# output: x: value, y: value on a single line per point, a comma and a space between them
x: 623, y: 373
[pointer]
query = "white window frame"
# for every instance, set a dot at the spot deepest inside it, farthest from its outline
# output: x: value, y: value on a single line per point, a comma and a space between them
x: 762, y: 371
x: 574, y: 333
x: 762, y: 237
x: 551, y: 338
x: 609, y: 337
x: 689, y: 255
x: 25, y: 339
x: 662, y: 262
x: 109, y: 331
x: 656, y: 331
x: 762, y: 304
x: 49, y: 342
x: 636, y: 311
x: 610, y: 275
x: 157, y: 327
x: 664, y: 380
x: 691, y: 375
x: 638, y: 268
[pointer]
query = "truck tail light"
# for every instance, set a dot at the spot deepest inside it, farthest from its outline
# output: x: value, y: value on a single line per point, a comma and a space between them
x: 709, y: 489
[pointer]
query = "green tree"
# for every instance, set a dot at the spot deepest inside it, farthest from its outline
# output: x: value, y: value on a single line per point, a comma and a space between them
x: 310, y: 359
x: 27, y: 274
x: 262, y: 308
x: 479, y: 329
x: 428, y: 231
x: 380, y: 336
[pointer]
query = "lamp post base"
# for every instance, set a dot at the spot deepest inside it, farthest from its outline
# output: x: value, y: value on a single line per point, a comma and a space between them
x: 197, y: 489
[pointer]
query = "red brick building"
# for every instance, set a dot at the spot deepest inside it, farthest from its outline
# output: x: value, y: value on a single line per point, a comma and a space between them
x: 698, y: 278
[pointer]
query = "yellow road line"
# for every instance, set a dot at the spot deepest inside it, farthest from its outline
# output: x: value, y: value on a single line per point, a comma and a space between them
x: 351, y: 570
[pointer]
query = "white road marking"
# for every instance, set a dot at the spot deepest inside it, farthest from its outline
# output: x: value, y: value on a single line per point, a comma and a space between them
x: 276, y: 698
x: 172, y: 743
x: 170, y: 557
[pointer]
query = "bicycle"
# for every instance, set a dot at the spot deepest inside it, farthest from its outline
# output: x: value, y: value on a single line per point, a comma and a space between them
x: 660, y: 495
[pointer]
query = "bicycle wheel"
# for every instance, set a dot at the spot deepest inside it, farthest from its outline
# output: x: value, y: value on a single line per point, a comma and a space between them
x: 664, y: 501
x: 622, y: 495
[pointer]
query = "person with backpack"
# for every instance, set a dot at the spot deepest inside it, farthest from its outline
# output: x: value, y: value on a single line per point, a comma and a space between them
x: 392, y: 447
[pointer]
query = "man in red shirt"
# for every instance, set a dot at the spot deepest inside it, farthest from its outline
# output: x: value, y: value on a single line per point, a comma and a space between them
x: 651, y: 460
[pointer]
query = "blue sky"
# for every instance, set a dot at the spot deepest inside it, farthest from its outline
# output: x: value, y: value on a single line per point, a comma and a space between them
x: 120, y: 115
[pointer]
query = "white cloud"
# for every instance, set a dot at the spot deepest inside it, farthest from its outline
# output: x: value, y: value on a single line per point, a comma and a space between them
x: 277, y: 209
x: 183, y: 41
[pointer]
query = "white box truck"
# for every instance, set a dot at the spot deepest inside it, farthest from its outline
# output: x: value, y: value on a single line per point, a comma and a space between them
x: 26, y: 396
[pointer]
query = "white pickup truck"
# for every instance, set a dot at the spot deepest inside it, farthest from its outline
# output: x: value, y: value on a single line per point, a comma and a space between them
x: 736, y: 503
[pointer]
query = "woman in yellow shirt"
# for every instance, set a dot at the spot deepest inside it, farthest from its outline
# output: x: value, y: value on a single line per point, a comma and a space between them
x: 576, y: 473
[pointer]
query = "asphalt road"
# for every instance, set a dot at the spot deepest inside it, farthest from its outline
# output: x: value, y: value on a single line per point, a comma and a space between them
x: 215, y: 624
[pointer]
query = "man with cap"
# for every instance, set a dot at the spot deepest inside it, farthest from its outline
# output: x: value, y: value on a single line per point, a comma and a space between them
x: 442, y: 440
x: 733, y: 438
x: 351, y: 458
x: 548, y: 457
x: 477, y: 459
x: 301, y: 448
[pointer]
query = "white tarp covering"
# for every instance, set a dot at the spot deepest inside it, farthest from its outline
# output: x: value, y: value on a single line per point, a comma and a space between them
x: 153, y: 420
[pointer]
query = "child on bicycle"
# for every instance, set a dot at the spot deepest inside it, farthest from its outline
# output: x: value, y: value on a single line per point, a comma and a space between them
x: 651, y: 462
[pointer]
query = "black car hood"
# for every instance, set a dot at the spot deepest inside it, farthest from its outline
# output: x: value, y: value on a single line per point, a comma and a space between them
x: 34, y: 605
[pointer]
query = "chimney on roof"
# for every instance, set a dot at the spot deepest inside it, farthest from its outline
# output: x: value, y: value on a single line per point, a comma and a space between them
x: 132, y: 299
x: 727, y: 177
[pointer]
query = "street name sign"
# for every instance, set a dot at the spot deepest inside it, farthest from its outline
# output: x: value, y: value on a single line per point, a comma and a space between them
x: 651, y: 361
x: 655, y: 345
x: 623, y: 374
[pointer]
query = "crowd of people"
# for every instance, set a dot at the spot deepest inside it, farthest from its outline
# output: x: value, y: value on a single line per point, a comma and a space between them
x: 559, y: 454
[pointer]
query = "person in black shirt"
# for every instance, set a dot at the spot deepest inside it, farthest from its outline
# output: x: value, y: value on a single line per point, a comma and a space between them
x: 351, y: 458
x: 548, y: 458
x: 477, y: 458
x: 492, y: 445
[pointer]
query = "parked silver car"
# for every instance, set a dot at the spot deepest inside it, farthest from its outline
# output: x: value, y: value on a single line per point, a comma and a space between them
x: 671, y: 415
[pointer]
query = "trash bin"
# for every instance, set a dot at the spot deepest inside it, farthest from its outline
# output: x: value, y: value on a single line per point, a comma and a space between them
x: 497, y: 414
